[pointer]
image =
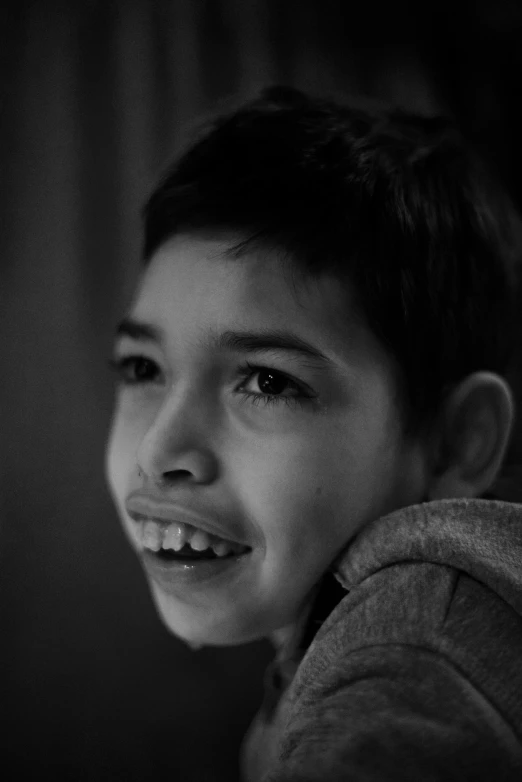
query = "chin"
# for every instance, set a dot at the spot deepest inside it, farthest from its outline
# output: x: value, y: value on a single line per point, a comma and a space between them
x: 197, y: 637
x: 184, y: 624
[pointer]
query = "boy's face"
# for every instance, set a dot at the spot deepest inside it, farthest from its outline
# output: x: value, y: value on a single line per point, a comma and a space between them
x: 293, y: 479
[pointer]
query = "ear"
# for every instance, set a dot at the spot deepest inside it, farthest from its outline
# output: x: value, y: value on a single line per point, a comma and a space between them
x: 475, y: 427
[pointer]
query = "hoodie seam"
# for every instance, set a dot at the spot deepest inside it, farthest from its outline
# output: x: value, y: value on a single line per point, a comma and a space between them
x: 456, y: 577
x: 453, y: 665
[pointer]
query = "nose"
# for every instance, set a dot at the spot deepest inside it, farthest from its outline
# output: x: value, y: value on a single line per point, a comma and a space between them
x: 177, y: 444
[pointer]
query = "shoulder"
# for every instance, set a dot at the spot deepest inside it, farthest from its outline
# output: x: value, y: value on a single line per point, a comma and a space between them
x: 407, y: 664
x: 420, y: 605
x: 397, y: 713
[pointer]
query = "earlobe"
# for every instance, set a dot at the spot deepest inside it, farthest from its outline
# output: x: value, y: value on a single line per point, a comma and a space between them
x: 476, y: 423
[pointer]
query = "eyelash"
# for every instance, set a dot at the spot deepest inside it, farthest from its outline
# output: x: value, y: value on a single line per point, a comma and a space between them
x: 119, y: 366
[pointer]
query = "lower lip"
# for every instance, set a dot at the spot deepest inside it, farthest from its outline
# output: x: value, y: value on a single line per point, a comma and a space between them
x: 171, y: 573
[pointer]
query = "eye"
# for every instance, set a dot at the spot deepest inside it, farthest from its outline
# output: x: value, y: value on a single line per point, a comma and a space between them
x: 134, y: 370
x: 138, y: 370
x: 272, y: 384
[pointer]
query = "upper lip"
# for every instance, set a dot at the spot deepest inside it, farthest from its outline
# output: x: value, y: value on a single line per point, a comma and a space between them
x: 141, y: 506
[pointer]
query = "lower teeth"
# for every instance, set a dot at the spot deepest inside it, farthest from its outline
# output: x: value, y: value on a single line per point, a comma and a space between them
x: 187, y: 553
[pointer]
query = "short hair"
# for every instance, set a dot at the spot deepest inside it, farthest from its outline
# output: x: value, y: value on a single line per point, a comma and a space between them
x: 395, y: 204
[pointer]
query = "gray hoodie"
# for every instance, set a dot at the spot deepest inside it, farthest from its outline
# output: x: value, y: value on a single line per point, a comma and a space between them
x: 416, y: 671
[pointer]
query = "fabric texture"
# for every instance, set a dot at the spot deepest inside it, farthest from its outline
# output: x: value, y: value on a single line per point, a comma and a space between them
x: 415, y: 673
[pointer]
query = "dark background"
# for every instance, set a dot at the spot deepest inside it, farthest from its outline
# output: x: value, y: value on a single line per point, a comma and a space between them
x: 95, y: 95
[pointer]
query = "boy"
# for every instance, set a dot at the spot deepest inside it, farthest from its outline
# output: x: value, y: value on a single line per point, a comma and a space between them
x: 311, y: 410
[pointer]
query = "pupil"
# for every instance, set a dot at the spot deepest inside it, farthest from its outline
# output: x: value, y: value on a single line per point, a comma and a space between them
x: 279, y: 381
x: 141, y: 368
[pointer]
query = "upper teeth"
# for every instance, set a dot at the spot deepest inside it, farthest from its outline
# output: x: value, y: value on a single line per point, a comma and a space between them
x: 175, y: 535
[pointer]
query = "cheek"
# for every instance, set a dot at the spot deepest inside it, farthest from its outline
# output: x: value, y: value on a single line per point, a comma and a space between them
x: 120, y: 454
x: 321, y: 491
x: 289, y: 493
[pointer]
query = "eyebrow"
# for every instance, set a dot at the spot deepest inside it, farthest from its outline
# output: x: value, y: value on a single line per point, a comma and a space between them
x: 239, y: 341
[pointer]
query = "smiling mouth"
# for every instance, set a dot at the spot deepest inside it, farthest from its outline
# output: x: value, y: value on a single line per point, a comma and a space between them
x: 171, y: 542
x: 188, y: 553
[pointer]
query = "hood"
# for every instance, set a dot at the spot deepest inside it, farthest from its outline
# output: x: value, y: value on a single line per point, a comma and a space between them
x: 480, y: 537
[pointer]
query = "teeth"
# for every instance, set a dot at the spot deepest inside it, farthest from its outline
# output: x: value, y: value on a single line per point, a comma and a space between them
x: 199, y: 540
x: 151, y: 536
x: 175, y: 537
x: 156, y: 536
x: 222, y: 548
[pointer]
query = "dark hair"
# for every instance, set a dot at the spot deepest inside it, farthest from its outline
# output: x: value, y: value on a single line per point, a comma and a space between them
x: 395, y: 204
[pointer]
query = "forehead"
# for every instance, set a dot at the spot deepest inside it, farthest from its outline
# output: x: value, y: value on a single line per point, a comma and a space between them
x: 192, y: 284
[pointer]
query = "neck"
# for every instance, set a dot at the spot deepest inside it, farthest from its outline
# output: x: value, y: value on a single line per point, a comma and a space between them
x: 283, y: 635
